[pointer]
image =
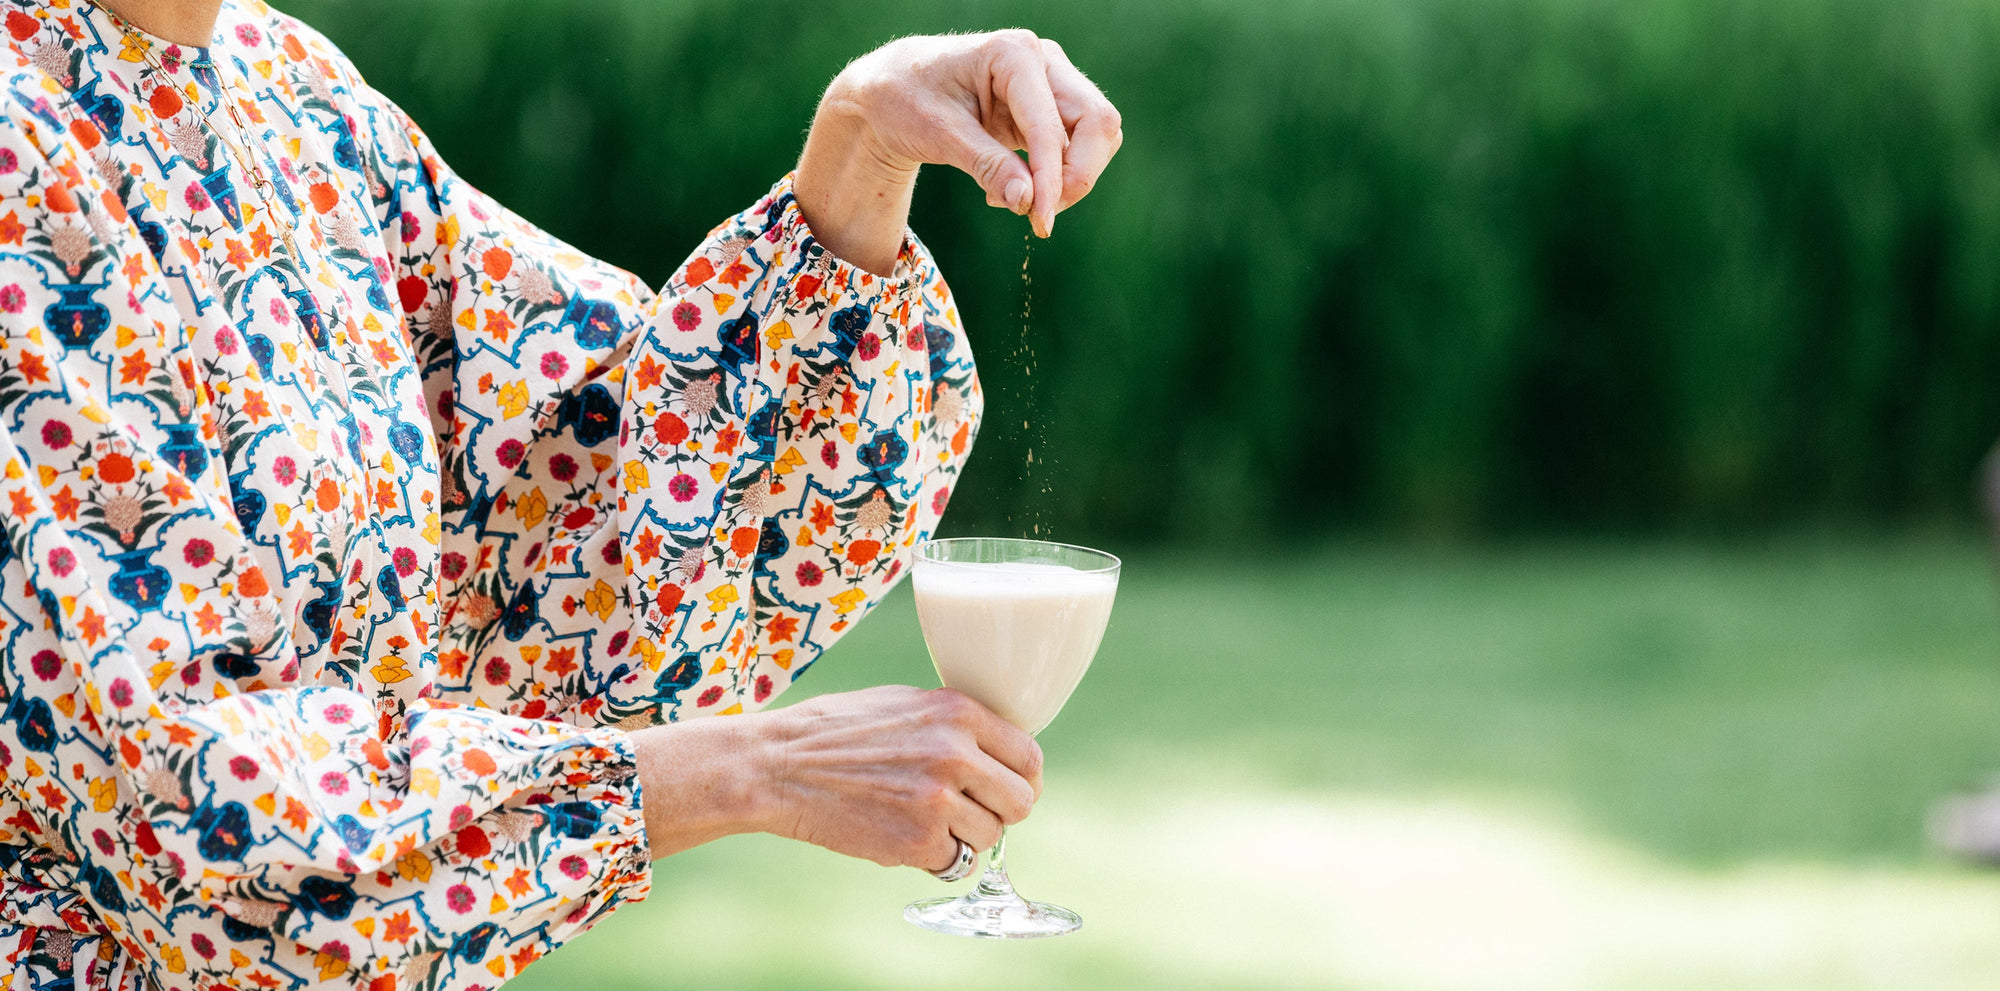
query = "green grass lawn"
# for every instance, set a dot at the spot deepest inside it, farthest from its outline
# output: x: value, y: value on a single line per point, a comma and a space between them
x: 1369, y: 768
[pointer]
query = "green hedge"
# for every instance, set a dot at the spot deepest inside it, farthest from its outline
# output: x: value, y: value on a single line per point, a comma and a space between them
x: 1438, y: 265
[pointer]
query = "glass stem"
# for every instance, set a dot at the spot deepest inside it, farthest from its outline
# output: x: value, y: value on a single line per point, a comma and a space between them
x: 993, y: 883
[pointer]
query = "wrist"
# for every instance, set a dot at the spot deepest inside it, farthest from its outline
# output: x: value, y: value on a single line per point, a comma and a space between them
x: 853, y: 187
x: 762, y: 743
x: 701, y: 781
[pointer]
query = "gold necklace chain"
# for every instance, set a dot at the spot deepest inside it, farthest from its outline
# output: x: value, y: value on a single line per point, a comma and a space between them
x: 260, y: 180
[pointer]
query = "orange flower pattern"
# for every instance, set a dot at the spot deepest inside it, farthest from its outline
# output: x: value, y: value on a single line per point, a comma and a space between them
x: 336, y: 564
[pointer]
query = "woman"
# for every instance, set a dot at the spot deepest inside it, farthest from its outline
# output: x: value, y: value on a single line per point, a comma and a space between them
x: 369, y: 551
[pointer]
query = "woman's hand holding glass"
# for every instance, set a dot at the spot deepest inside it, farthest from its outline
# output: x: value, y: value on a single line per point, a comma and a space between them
x: 968, y: 101
x: 896, y: 775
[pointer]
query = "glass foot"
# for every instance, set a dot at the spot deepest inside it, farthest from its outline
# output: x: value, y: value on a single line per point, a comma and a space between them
x: 984, y: 915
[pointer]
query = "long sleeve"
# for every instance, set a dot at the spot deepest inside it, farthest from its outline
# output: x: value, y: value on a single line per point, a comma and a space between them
x: 350, y: 519
x: 227, y: 814
x: 665, y: 504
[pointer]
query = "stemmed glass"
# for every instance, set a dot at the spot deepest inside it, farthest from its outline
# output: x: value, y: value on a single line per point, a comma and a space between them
x: 1013, y: 624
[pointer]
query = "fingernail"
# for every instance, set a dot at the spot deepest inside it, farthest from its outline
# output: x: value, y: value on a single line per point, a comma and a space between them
x: 1018, y: 192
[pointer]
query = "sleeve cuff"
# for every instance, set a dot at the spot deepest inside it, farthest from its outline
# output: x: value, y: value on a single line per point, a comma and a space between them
x: 813, y: 270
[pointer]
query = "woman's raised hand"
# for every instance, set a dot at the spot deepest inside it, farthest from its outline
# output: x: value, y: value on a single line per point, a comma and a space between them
x: 968, y: 101
x: 887, y: 774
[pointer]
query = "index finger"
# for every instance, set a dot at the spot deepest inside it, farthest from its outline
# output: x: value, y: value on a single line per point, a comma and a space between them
x: 1095, y: 128
x: 1032, y: 103
x: 1007, y: 743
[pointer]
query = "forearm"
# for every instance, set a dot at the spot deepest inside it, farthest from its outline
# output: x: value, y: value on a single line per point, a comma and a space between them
x: 854, y: 196
x: 702, y: 780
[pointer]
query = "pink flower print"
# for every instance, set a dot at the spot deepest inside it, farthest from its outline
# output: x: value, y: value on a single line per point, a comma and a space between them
x: 682, y: 487
x: 809, y: 574
x: 511, y: 452
x: 554, y: 364
x: 405, y: 561
x: 285, y: 470
x: 62, y: 562
x: 195, y: 196
x: 687, y: 316
x: 575, y: 867
x: 333, y: 783
x: 562, y: 468
x: 243, y: 767
x: 13, y: 299
x: 198, y: 552
x: 458, y: 898
x: 56, y: 434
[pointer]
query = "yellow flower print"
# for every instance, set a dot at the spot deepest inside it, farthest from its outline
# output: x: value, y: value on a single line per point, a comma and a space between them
x: 414, y: 866
x: 391, y: 670
x: 720, y: 599
x: 532, y: 508
x: 600, y: 600
x: 513, y: 398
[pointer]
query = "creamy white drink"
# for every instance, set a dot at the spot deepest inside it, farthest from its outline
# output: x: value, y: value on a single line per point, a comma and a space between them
x: 1015, y: 636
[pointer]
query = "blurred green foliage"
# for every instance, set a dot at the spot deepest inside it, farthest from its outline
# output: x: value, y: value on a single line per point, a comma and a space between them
x: 1439, y: 266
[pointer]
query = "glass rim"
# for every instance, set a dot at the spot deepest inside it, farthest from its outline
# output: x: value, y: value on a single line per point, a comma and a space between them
x: 924, y: 555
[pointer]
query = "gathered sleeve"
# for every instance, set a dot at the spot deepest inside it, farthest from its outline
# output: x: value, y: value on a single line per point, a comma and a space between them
x: 665, y: 504
x: 227, y: 820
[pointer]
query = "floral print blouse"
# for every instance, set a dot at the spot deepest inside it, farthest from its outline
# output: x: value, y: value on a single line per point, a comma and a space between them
x: 336, y: 566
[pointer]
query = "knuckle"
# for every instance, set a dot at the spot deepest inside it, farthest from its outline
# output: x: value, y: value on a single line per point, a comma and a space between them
x: 1051, y: 48
x: 955, y: 706
x: 1020, y: 38
x: 989, y: 168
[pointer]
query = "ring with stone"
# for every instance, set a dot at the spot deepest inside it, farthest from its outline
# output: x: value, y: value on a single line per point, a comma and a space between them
x: 961, y: 867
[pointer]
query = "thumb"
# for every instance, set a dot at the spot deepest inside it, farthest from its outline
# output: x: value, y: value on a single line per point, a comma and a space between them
x: 997, y: 169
